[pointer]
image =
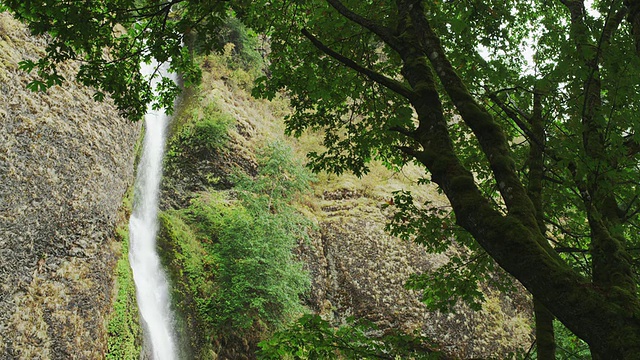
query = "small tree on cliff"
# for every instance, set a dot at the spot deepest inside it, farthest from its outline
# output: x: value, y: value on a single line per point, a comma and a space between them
x: 538, y: 158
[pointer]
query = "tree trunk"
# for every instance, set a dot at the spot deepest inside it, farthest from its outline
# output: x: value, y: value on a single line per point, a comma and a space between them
x: 545, y: 340
x: 513, y: 240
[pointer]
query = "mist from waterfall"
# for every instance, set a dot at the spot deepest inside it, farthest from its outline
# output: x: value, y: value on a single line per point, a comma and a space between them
x: 152, y: 289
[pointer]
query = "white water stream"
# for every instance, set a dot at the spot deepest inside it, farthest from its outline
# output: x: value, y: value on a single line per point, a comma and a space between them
x: 152, y: 289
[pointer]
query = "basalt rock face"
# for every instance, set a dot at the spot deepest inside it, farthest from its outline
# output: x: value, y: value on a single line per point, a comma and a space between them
x: 65, y: 163
x: 359, y: 270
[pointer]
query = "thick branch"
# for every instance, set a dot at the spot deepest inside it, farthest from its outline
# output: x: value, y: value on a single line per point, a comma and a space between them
x: 634, y: 19
x: 544, y: 318
x: 612, y: 25
x: 491, y: 137
x: 390, y: 84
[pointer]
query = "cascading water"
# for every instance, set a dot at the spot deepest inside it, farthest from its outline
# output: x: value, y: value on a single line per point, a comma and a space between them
x: 152, y: 290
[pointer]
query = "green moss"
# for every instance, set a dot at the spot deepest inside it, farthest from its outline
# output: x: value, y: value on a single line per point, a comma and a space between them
x: 124, y: 332
x: 200, y: 130
x: 191, y: 276
x: 194, y: 263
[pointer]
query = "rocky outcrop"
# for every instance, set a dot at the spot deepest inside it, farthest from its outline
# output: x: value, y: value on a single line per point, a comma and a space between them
x: 65, y: 163
x: 359, y: 270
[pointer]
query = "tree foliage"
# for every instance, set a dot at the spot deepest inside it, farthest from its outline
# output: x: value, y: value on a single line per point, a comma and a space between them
x: 256, y: 283
x: 111, y: 38
x: 524, y: 113
x: 311, y: 337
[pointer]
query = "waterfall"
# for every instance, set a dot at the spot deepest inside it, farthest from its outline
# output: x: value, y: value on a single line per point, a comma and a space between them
x: 152, y: 290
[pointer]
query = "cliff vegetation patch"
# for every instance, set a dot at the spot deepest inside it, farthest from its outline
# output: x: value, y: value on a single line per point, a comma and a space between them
x: 231, y: 254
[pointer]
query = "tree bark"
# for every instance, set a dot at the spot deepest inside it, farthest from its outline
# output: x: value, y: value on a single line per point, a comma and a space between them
x: 545, y: 341
x: 633, y: 17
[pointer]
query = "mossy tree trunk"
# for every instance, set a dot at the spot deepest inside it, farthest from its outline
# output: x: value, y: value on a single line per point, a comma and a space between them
x: 611, y: 265
x: 605, y: 313
x: 545, y: 341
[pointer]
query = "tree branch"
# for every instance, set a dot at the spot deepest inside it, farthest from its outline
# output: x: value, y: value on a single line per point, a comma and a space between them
x: 633, y: 147
x: 516, y: 119
x: 383, y: 32
x: 613, y: 23
x: 390, y: 84
x: 633, y: 18
x: 491, y: 137
x: 404, y: 131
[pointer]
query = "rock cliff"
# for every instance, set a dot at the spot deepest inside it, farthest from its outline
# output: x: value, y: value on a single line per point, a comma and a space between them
x: 65, y: 163
x: 359, y: 270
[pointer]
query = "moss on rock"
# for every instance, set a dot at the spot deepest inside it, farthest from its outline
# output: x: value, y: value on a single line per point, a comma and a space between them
x: 124, y: 331
x: 65, y: 163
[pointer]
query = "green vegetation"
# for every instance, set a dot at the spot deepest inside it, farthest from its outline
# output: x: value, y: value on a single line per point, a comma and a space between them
x: 231, y: 252
x: 205, y: 131
x: 248, y: 246
x: 311, y: 337
x: 568, y: 346
x: 124, y: 330
x: 537, y: 157
x: 246, y: 45
x: 191, y: 270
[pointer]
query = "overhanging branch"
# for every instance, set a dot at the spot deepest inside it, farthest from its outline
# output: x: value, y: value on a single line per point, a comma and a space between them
x: 383, y: 32
x: 389, y: 83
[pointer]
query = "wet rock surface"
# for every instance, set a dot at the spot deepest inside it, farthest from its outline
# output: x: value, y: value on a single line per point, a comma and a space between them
x: 65, y: 163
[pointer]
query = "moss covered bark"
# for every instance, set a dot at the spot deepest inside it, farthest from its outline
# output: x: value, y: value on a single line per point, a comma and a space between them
x: 606, y: 320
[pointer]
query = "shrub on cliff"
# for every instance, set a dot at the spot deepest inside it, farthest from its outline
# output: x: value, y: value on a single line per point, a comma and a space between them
x: 259, y: 280
x: 252, y: 280
x: 204, y: 132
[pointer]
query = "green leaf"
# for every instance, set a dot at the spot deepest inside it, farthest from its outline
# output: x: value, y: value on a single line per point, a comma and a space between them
x: 37, y: 85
